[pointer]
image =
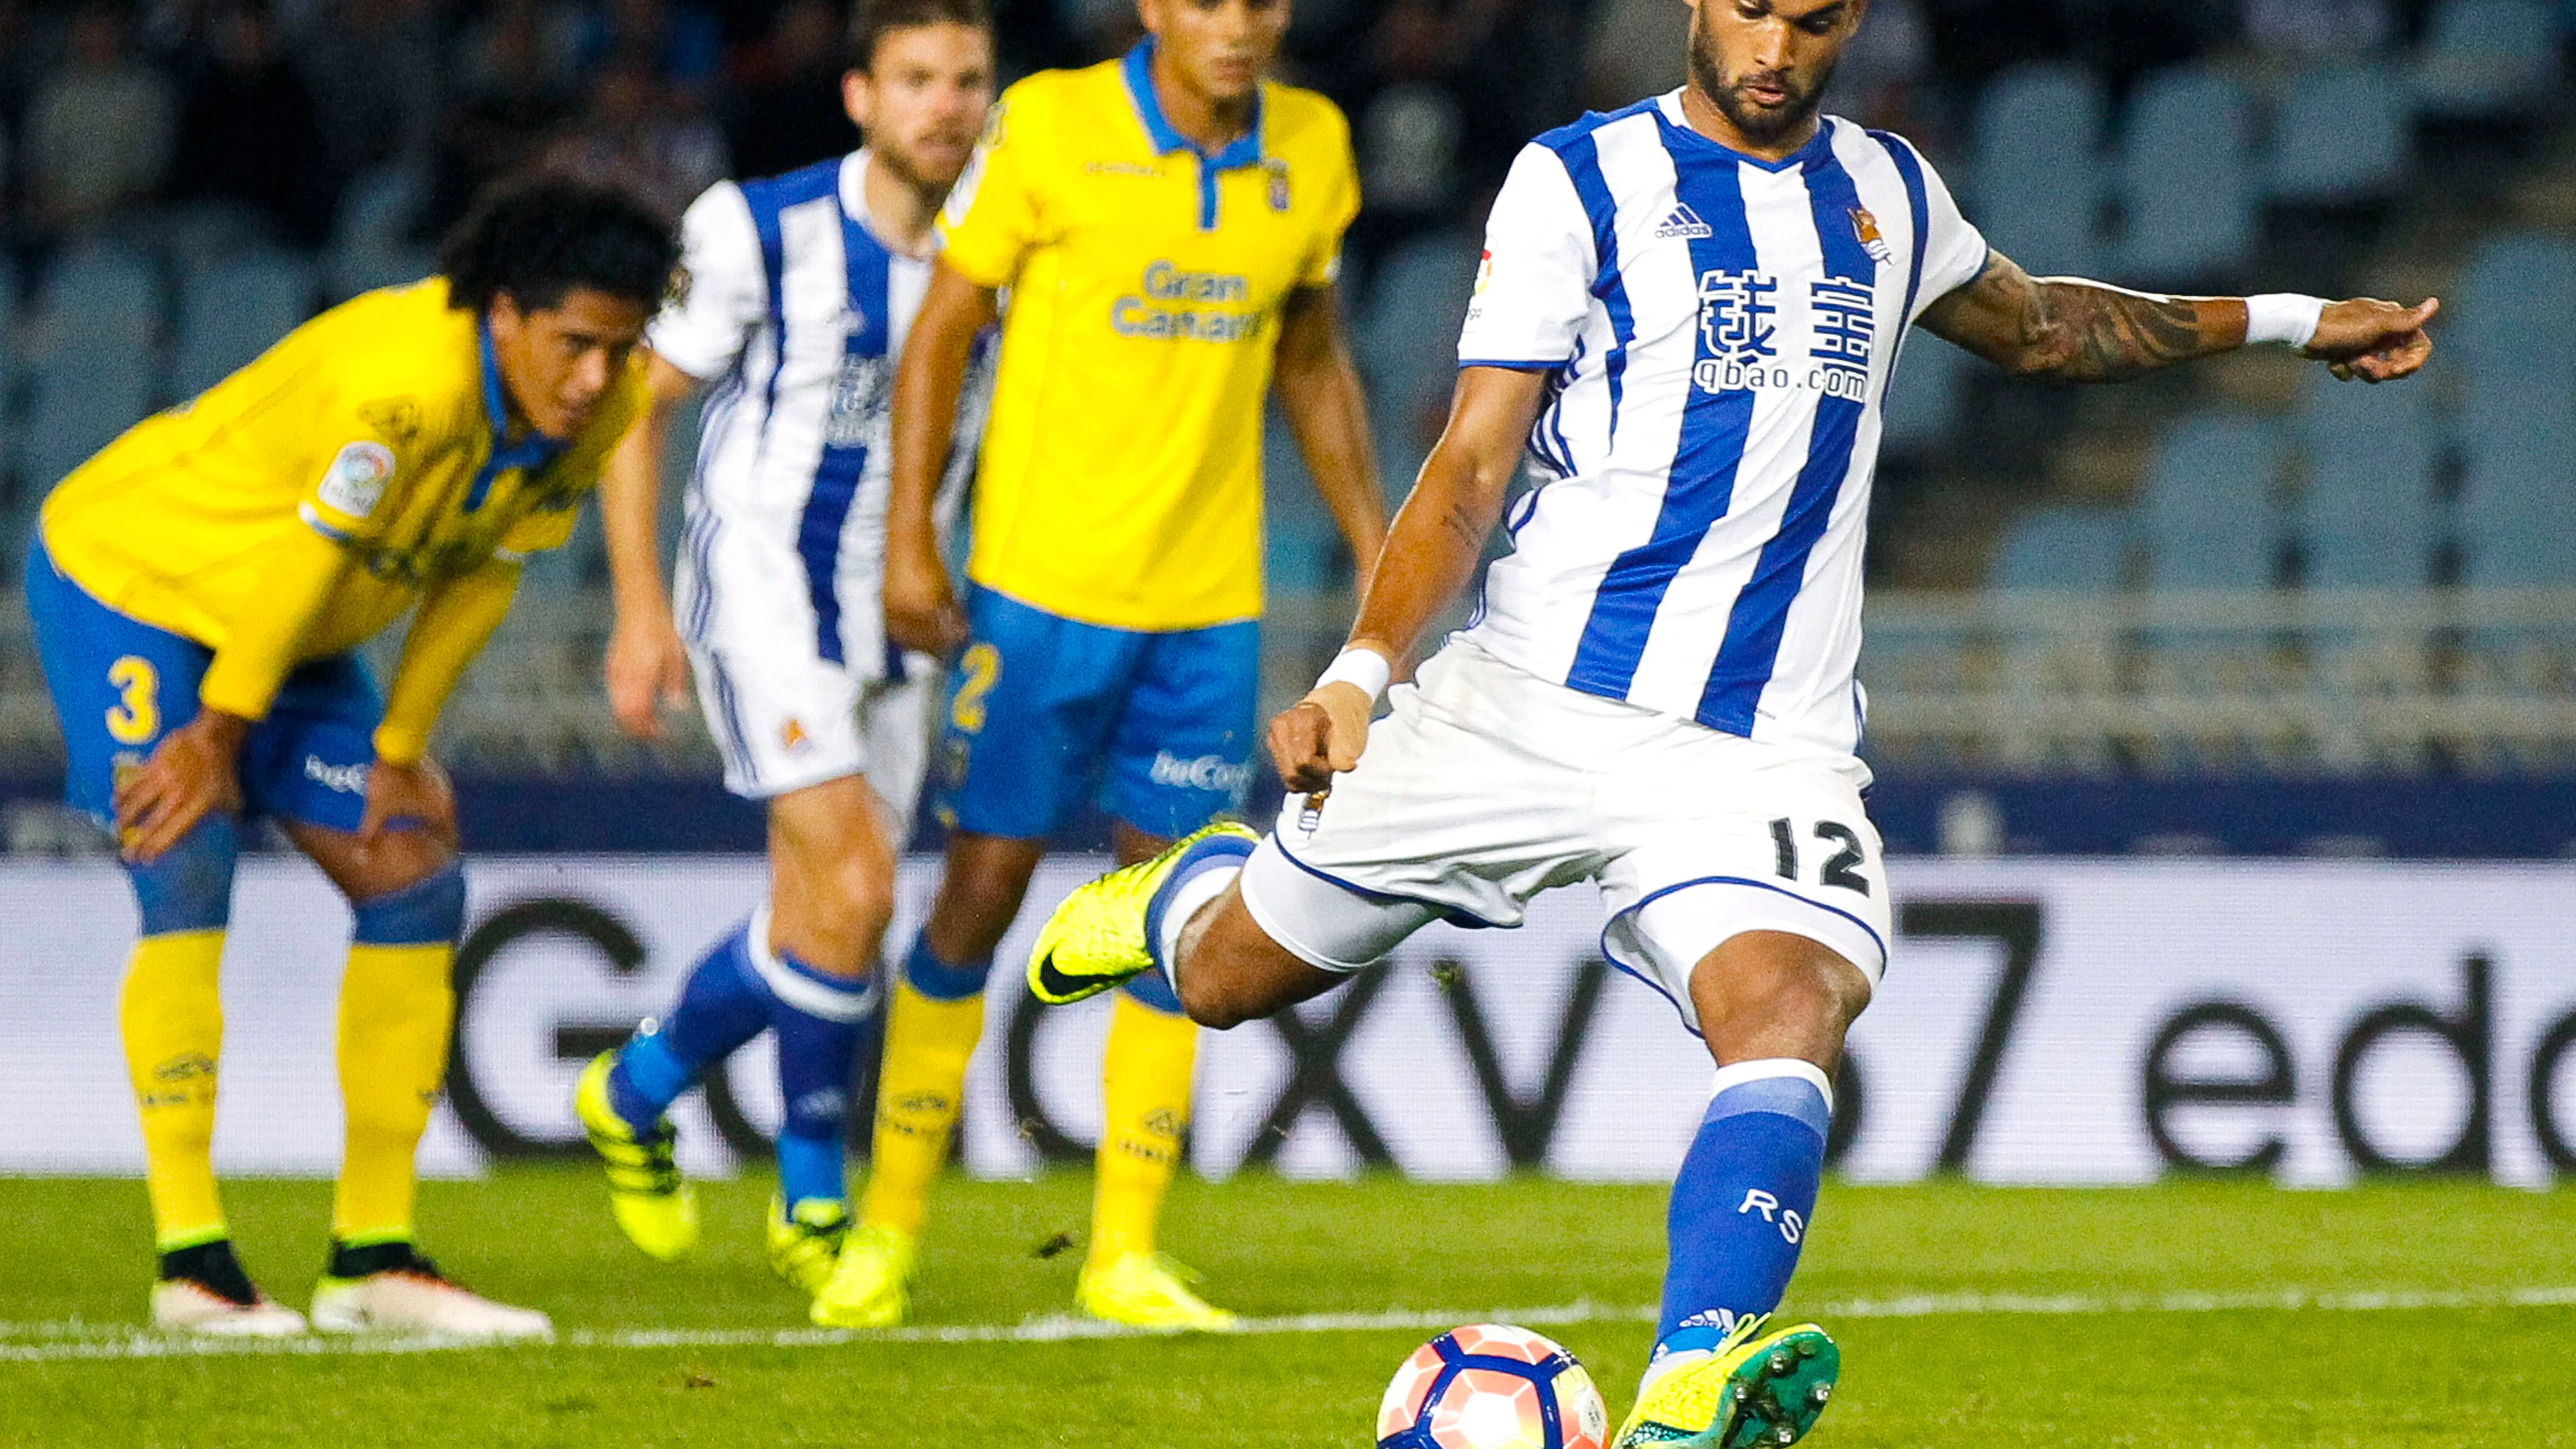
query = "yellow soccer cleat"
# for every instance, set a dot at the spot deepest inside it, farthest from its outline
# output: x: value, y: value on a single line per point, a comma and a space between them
x: 804, y: 1244
x: 655, y: 1207
x: 871, y: 1283
x: 1148, y: 1290
x: 1101, y: 935
x: 1756, y: 1389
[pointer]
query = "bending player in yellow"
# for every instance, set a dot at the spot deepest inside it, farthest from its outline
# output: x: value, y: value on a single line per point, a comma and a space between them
x: 199, y: 591
x: 1169, y: 229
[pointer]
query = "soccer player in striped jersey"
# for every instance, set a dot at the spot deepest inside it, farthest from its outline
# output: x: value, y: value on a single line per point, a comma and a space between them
x: 801, y: 290
x: 1688, y: 315
x: 1168, y: 228
x: 200, y: 590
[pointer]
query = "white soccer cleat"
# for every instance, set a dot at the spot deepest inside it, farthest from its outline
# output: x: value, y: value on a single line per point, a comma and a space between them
x: 181, y: 1306
x: 414, y: 1297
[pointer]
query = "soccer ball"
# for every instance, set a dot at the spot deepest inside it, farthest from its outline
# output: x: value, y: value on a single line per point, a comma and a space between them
x: 1487, y: 1386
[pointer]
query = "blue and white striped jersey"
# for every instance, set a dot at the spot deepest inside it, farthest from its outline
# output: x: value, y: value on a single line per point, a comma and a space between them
x: 1719, y: 332
x: 797, y: 311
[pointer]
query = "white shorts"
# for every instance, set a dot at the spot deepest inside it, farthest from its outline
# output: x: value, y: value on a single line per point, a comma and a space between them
x: 785, y: 717
x: 1488, y: 785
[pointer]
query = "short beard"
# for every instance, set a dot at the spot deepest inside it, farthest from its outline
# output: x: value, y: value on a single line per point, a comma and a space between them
x: 1757, y: 124
x: 899, y: 165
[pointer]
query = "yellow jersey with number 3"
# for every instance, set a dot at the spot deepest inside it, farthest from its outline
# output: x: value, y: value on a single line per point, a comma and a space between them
x: 371, y: 425
x: 1121, y: 474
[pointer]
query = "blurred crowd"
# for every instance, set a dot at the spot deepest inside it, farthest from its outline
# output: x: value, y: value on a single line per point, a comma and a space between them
x: 264, y: 112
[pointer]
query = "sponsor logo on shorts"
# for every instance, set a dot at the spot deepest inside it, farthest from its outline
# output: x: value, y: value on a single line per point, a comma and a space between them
x: 1207, y: 772
x: 338, y: 779
x: 792, y: 737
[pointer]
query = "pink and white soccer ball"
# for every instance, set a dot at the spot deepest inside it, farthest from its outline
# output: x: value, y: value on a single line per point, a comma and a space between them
x: 1488, y: 1386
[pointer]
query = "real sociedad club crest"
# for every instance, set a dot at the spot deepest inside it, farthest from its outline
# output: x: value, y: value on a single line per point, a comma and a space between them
x: 1865, y: 226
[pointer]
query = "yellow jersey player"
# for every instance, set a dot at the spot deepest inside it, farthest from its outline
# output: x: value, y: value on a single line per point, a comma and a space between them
x: 199, y: 591
x: 1168, y: 227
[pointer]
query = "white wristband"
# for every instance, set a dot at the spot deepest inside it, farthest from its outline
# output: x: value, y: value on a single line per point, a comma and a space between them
x: 1363, y: 667
x: 2283, y: 317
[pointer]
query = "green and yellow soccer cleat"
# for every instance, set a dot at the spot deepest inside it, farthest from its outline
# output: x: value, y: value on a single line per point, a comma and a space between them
x: 1150, y: 1291
x: 804, y: 1244
x: 1756, y: 1389
x: 654, y: 1206
x: 1101, y: 935
x: 871, y: 1284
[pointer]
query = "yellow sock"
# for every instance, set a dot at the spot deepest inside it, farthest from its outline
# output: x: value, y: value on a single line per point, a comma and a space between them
x: 926, y: 1047
x: 1145, y: 1091
x: 395, y: 1002
x: 173, y: 1023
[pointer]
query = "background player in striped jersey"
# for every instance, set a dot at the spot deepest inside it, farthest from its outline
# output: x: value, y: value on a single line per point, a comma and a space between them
x: 1689, y: 313
x: 1169, y: 228
x: 801, y: 290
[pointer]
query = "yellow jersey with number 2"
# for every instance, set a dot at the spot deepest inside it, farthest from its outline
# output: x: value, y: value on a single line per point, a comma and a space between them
x: 1120, y: 482
x: 372, y: 425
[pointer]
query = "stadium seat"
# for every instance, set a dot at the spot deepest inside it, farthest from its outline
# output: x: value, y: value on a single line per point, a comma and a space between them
x: 2368, y: 518
x: 2487, y: 58
x: 9, y: 363
x: 2508, y: 324
x: 371, y: 243
x: 1924, y: 400
x: 232, y: 313
x: 92, y: 362
x: 2209, y: 508
x: 2344, y: 133
x: 1416, y: 304
x: 2043, y: 124
x: 2187, y: 180
x: 2067, y: 549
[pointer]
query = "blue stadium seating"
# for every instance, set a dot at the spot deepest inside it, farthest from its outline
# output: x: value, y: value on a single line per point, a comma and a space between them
x: 2486, y: 58
x: 2369, y: 517
x: 2067, y: 548
x: 2344, y: 133
x: 2209, y: 511
x: 232, y: 313
x: 2518, y: 411
x: 1405, y: 343
x: 93, y: 362
x: 370, y: 237
x: 2187, y: 180
x: 2036, y: 185
x: 8, y: 375
x: 1924, y: 400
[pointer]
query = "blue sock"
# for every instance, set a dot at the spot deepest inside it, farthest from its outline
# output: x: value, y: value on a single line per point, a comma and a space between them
x: 818, y: 1019
x: 722, y: 1005
x: 1742, y: 1202
x: 1190, y: 884
x: 938, y: 980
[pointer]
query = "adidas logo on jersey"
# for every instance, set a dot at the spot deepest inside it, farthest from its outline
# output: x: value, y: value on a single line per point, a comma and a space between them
x: 1685, y: 223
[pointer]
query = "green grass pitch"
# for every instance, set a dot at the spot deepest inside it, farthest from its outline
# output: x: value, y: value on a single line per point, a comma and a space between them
x: 2216, y: 1314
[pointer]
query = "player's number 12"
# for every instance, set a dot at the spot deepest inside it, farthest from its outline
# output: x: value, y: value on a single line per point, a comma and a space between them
x: 1840, y: 869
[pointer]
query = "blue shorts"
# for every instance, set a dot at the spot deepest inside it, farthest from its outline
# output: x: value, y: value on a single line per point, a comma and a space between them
x: 1046, y: 712
x: 120, y: 684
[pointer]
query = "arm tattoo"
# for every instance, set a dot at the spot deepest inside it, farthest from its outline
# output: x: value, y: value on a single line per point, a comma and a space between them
x: 2077, y: 331
x: 2091, y: 333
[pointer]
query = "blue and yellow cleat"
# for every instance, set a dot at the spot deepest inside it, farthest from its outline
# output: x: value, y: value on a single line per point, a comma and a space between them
x: 1103, y: 933
x: 1755, y: 1389
x: 654, y: 1206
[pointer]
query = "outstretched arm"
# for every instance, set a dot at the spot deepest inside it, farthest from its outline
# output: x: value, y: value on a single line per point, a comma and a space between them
x: 1431, y: 552
x: 2078, y: 331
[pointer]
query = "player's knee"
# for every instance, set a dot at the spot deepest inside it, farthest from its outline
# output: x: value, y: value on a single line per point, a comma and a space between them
x: 1780, y: 981
x: 428, y: 911
x: 1213, y: 1002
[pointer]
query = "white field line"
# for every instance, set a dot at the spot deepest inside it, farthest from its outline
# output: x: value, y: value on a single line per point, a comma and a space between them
x: 75, y: 1339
